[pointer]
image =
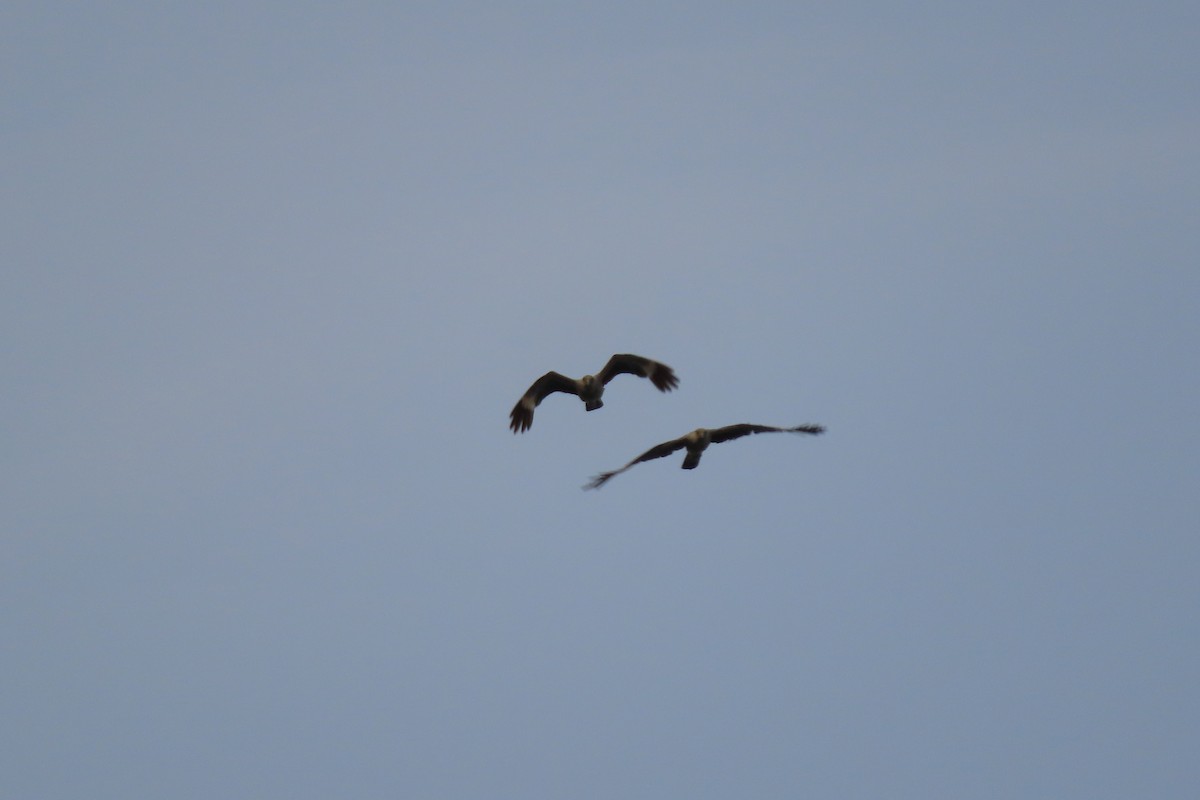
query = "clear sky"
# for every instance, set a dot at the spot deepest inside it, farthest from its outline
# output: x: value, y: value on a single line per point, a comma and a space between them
x: 275, y: 273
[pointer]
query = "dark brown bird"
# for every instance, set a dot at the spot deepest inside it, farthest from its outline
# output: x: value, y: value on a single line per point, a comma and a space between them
x: 696, y: 442
x: 589, y: 388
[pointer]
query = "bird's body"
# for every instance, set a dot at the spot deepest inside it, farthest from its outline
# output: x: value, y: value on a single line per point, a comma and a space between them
x: 590, y: 391
x: 589, y: 388
x: 696, y: 442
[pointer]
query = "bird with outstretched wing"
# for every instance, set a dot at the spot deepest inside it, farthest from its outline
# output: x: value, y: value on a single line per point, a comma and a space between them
x: 696, y: 442
x: 589, y: 388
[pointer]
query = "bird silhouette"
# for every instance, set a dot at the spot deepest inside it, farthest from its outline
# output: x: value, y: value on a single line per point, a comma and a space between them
x: 589, y: 388
x: 696, y: 442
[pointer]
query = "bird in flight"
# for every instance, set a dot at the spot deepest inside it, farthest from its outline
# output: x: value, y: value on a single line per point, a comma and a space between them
x: 696, y: 442
x: 589, y: 388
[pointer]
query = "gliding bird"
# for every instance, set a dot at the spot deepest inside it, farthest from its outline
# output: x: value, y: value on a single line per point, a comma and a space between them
x: 696, y: 442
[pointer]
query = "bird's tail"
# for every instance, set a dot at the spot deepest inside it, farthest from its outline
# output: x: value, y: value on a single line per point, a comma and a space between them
x: 592, y: 405
x: 692, y: 460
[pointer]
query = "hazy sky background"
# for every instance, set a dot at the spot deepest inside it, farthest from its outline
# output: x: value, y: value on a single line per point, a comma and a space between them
x: 275, y: 273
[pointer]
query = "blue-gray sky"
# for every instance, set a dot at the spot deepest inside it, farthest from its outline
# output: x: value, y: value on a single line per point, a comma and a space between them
x: 275, y: 273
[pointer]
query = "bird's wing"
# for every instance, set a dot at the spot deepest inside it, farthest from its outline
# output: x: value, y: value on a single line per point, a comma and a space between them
x: 658, y: 451
x: 662, y: 376
x: 521, y: 417
x: 745, y: 429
